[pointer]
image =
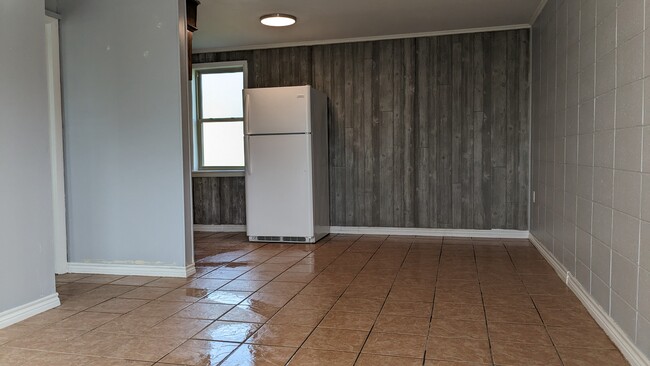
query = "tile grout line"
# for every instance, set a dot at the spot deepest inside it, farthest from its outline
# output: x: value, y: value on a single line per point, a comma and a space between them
x: 557, y: 352
x: 433, y: 305
x: 480, y: 288
x: 385, y: 299
x: 384, y: 247
x: 312, y: 331
x: 254, y: 292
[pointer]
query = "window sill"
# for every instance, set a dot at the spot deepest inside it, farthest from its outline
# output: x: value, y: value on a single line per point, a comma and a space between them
x: 218, y: 173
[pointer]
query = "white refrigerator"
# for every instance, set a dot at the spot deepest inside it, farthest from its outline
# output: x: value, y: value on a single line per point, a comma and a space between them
x: 287, y: 178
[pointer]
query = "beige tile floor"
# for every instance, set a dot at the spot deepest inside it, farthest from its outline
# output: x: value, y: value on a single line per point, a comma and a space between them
x: 348, y: 300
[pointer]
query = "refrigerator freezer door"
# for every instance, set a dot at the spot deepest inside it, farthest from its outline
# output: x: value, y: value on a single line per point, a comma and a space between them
x: 278, y: 186
x: 277, y: 110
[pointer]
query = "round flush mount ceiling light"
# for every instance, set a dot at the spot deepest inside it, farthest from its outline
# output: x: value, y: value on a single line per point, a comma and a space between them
x: 278, y: 20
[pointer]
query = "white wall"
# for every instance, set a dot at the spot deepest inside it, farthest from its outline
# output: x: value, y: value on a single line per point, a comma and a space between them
x: 26, y: 265
x: 591, y: 151
x: 121, y: 75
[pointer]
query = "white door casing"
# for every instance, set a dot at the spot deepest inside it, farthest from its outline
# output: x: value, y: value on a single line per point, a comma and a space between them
x: 56, y: 144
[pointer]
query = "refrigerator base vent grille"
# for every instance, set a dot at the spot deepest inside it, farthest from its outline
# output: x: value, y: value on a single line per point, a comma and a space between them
x: 294, y: 238
x: 269, y: 238
x: 291, y: 239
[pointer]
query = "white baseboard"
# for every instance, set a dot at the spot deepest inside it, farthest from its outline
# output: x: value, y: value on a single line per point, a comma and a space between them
x: 466, y: 233
x: 627, y: 347
x: 131, y: 269
x: 22, y: 312
x: 221, y: 228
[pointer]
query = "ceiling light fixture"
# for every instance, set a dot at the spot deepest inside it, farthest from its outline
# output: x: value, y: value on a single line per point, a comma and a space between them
x: 278, y: 20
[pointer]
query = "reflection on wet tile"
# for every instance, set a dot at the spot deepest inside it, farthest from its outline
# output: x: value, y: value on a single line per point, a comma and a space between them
x: 259, y: 355
x: 168, y: 282
x: 226, y: 297
x: 206, y: 283
x: 280, y: 335
x: 185, y: 295
x: 224, y: 274
x: 248, y: 313
x: 203, y: 353
x: 377, y: 299
x: 204, y: 311
x: 267, y: 299
x: 243, y: 285
x: 228, y: 331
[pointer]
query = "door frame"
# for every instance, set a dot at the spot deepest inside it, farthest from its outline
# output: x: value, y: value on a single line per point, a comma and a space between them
x: 59, y: 236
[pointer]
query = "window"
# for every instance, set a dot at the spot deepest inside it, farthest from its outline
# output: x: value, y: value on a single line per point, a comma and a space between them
x: 219, y: 116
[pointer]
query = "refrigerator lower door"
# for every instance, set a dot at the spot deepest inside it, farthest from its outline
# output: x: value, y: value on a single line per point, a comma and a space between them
x: 279, y: 204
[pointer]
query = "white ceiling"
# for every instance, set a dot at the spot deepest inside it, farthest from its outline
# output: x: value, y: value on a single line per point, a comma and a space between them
x: 234, y: 24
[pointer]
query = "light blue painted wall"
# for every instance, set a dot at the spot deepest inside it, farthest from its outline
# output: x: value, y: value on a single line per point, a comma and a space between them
x: 26, y: 223
x: 121, y: 76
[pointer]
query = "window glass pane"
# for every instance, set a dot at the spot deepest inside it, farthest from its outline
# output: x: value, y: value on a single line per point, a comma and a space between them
x: 223, y: 144
x: 221, y: 95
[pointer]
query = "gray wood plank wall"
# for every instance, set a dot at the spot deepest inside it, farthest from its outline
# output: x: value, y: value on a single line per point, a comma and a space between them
x: 430, y: 132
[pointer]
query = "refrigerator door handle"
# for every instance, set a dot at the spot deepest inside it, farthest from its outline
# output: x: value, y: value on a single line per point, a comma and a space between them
x: 247, y: 113
x: 247, y: 156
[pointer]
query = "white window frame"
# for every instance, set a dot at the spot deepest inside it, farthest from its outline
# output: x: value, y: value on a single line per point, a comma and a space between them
x: 199, y: 170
